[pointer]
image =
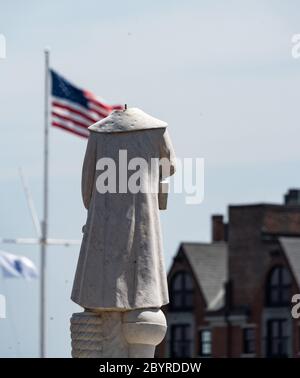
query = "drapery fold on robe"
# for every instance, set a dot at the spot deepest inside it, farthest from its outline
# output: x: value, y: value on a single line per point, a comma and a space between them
x: 121, y: 264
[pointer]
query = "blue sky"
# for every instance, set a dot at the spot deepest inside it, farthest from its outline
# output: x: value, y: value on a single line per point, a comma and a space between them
x: 220, y: 73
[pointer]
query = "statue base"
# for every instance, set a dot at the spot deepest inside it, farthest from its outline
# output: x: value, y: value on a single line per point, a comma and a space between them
x: 116, y: 334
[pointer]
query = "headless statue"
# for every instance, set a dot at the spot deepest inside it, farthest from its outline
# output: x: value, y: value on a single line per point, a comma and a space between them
x: 121, y: 264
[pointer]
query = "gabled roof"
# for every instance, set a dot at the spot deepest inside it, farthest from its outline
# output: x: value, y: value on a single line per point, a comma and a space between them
x: 291, y: 248
x: 209, y: 265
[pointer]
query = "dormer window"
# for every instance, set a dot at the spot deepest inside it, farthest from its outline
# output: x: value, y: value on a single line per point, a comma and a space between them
x: 181, y: 292
x: 279, y: 287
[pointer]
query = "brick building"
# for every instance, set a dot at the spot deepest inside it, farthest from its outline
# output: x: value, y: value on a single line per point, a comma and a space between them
x: 232, y: 297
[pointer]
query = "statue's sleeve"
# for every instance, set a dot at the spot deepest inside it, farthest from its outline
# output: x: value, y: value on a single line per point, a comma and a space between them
x: 167, y: 156
x: 88, y: 170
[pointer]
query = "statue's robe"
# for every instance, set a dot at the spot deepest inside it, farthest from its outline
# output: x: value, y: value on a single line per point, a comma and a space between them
x: 121, y: 263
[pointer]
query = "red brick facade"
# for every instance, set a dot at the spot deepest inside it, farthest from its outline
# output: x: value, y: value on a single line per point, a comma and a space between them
x: 254, y: 319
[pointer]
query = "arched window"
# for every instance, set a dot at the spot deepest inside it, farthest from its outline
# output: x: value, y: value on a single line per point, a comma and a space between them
x: 181, y: 292
x: 279, y: 287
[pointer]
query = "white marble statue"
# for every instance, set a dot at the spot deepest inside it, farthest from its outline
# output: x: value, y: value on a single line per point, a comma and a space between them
x: 121, y: 265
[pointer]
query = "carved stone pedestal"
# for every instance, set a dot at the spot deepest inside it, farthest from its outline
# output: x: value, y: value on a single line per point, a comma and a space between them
x: 109, y: 334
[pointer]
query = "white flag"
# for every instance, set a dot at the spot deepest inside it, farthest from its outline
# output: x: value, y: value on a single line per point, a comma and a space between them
x: 17, y: 266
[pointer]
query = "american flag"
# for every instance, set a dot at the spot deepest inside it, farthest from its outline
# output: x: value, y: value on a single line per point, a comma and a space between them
x: 74, y: 109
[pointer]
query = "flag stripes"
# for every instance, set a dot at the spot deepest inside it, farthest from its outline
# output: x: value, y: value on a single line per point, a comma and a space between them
x: 74, y: 109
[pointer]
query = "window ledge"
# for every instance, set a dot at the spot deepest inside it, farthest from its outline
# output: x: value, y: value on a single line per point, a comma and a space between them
x: 248, y: 355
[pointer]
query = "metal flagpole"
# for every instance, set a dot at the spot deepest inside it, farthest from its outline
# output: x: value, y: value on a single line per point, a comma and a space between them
x: 45, y: 216
x: 42, y: 239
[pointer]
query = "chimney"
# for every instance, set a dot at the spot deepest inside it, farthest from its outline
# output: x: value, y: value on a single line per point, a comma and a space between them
x: 292, y: 197
x: 219, y: 228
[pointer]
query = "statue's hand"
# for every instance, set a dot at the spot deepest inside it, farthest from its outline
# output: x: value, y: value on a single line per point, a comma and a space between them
x: 163, y: 194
